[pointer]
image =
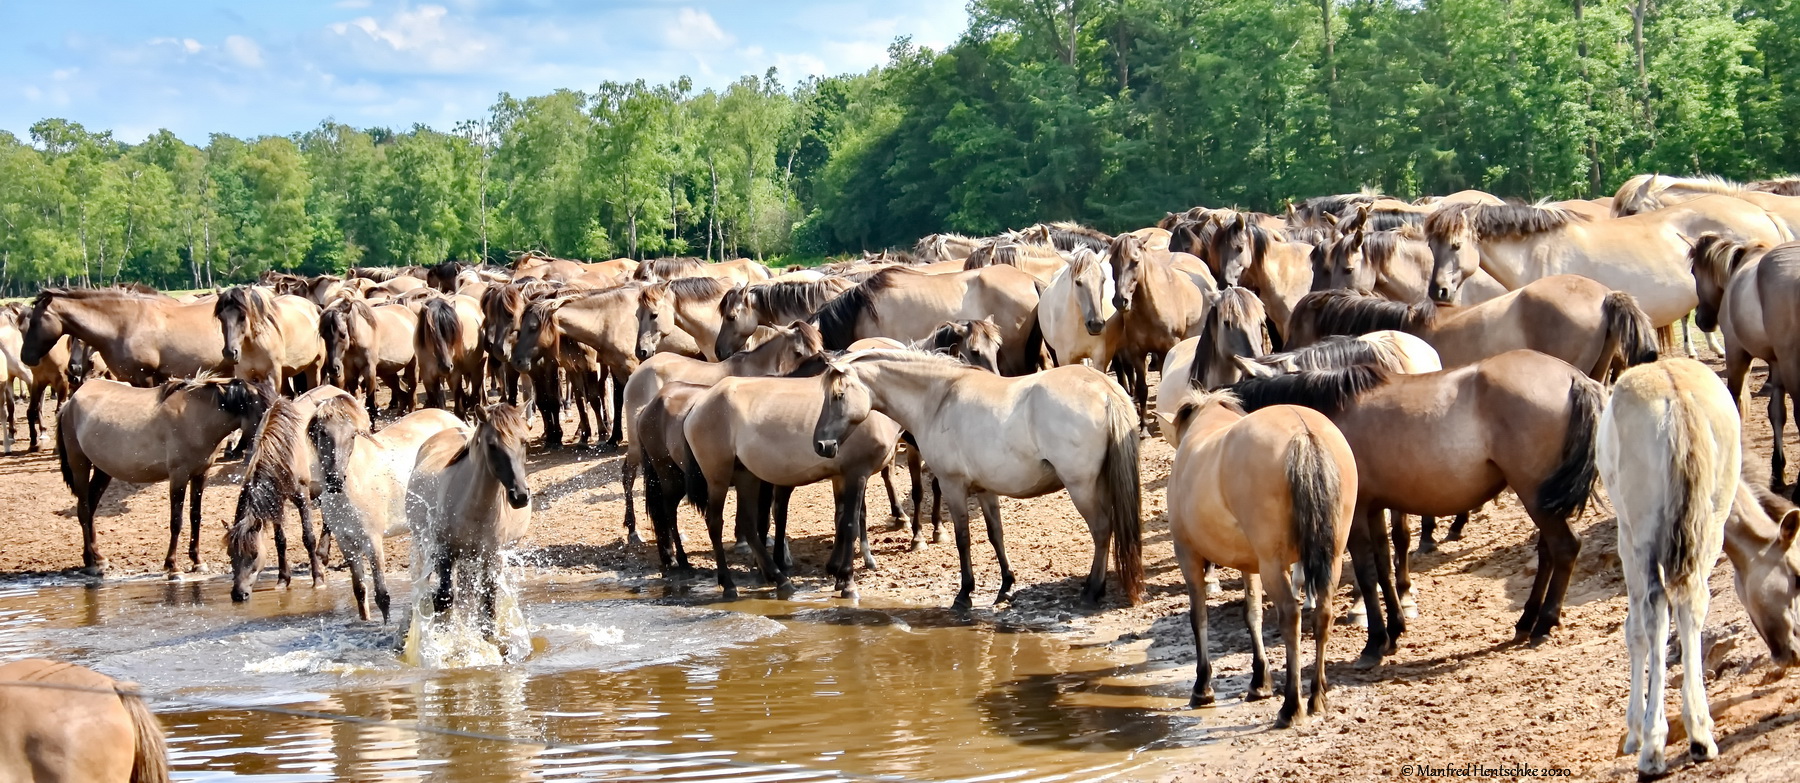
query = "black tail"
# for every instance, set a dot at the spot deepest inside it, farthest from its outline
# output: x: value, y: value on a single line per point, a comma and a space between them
x: 1568, y: 488
x: 1315, y: 491
x: 442, y: 329
x: 63, y: 430
x: 1032, y: 355
x: 1122, y: 498
x: 698, y: 494
x: 1629, y: 334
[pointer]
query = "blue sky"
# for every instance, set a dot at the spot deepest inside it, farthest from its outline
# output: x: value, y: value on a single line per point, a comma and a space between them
x: 279, y: 66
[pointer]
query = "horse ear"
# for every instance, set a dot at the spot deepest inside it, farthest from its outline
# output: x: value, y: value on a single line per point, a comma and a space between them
x: 1167, y: 420
x: 1790, y: 527
x: 1253, y: 368
x: 1330, y: 219
x: 1689, y: 240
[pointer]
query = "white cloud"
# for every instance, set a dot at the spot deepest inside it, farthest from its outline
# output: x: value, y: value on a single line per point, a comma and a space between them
x: 422, y: 36
x: 695, y: 31
x: 188, y: 45
x: 244, y: 51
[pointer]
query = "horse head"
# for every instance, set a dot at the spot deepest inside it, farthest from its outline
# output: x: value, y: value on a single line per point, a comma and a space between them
x: 655, y: 318
x: 1759, y: 538
x: 847, y: 404
x: 500, y: 435
x: 1455, y: 250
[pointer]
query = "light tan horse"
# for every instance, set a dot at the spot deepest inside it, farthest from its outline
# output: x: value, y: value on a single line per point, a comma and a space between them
x: 1394, y: 265
x: 447, y: 352
x: 689, y: 304
x: 745, y: 308
x: 746, y: 432
x: 1570, y: 317
x: 986, y: 436
x: 364, y: 478
x: 284, y: 469
x: 1076, y: 312
x: 467, y: 502
x: 786, y: 350
x: 1669, y: 457
x: 934, y: 248
x: 1650, y: 192
x: 1643, y: 255
x: 1040, y: 261
x: 1261, y: 492
x: 14, y: 374
x: 1759, y: 540
x: 1159, y: 303
x: 110, y: 430
x: 145, y: 339
x: 1748, y: 291
x: 905, y: 305
x: 1443, y: 443
x: 63, y: 723
x: 270, y: 337
x: 363, y: 343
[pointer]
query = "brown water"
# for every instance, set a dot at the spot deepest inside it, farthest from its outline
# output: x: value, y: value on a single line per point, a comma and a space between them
x: 617, y: 687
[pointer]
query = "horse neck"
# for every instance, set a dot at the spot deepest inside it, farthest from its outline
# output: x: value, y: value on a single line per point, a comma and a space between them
x: 477, y: 491
x: 1749, y: 535
x: 909, y: 392
x: 1157, y: 301
x: 94, y: 326
x: 1515, y: 261
x: 700, y: 318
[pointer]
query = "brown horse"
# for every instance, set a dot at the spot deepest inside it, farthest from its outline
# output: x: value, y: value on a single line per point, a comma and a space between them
x: 51, y: 373
x: 1442, y: 443
x: 1040, y: 261
x: 1261, y: 492
x: 283, y: 470
x: 745, y: 308
x: 1395, y: 265
x: 688, y: 305
x: 447, y: 352
x: 145, y: 339
x: 110, y: 430
x: 1566, y: 316
x: 986, y: 436
x: 63, y: 723
x: 1748, y: 290
x: 604, y: 321
x: 905, y: 305
x: 363, y: 343
x: 270, y: 337
x: 1160, y: 305
x: 661, y: 445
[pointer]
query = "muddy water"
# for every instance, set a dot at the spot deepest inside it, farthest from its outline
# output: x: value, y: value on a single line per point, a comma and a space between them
x: 616, y: 687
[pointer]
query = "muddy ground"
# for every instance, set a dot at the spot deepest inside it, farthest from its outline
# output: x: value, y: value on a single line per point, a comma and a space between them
x: 1457, y: 693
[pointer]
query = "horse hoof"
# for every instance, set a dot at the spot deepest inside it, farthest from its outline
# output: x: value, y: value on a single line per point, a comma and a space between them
x: 730, y: 593
x: 899, y: 522
x: 1454, y: 535
x: 1286, y: 721
x: 918, y: 545
x: 937, y: 537
x: 1257, y: 694
x: 962, y: 604
x: 1002, y: 598
x: 1367, y: 661
x: 1538, y: 640
x: 1652, y: 768
x: 741, y: 548
x: 1409, y: 612
x: 1427, y: 546
x: 850, y: 594
x: 1703, y: 751
x: 634, y: 539
x: 784, y: 590
x: 1356, y: 620
x: 1199, y: 700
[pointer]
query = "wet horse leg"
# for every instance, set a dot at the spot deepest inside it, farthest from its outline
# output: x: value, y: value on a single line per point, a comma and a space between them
x: 446, y: 586
x: 715, y: 529
x: 1193, y: 570
x: 958, y: 499
x: 784, y: 558
x: 309, y: 540
x: 177, y: 491
x: 990, y: 511
x: 1259, y: 657
x: 196, y: 487
x: 87, y: 503
x: 284, y: 576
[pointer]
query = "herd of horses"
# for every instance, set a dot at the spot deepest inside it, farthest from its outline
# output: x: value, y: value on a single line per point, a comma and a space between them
x: 1355, y: 361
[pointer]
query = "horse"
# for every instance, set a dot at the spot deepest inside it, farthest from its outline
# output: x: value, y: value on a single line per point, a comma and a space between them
x: 689, y: 305
x: 1259, y: 492
x: 1394, y: 265
x: 1570, y: 317
x: 1442, y: 443
x: 1063, y: 236
x: 1650, y: 192
x: 985, y: 435
x: 1643, y: 255
x: 13, y: 372
x: 112, y: 430
x: 1042, y: 262
x: 660, y: 444
x: 63, y: 723
x: 363, y: 343
x: 1765, y: 564
x: 1159, y: 305
x: 447, y: 351
x: 364, y: 478
x: 1747, y: 290
x: 1076, y: 312
x: 467, y: 502
x: 748, y: 432
x: 270, y: 337
x: 1668, y: 454
x: 283, y: 469
x: 787, y: 349
x: 945, y: 247
x: 905, y: 305
x: 51, y: 373
x: 145, y: 339
x: 745, y: 308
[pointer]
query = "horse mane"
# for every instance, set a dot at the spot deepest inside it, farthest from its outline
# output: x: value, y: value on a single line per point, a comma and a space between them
x: 1316, y: 208
x: 441, y: 328
x: 790, y: 300
x: 269, y: 478
x: 508, y: 425
x: 1498, y: 220
x: 47, y: 294
x: 1392, y: 219
x: 1720, y: 257
x: 1194, y: 400
x: 932, y: 246
x: 903, y: 355
x: 1224, y: 231
x: 837, y: 319
x: 502, y: 300
x: 1326, y: 391
x: 1067, y: 236
x: 246, y: 299
x: 667, y: 267
x: 1332, y: 352
x: 692, y: 289
x: 1345, y: 312
x: 1780, y: 186
x: 359, y: 308
x: 951, y: 334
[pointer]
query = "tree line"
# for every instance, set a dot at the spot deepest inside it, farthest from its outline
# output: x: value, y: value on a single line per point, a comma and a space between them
x: 1109, y: 112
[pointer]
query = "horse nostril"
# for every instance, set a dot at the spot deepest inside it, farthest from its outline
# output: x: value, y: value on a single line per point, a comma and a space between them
x: 826, y: 448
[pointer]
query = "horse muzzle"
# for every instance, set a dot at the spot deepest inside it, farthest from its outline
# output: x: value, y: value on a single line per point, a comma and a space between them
x: 239, y: 594
x: 518, y: 499
x: 644, y: 354
x: 1120, y: 303
x: 826, y: 448
x: 230, y: 354
x: 1095, y: 327
x: 1442, y: 294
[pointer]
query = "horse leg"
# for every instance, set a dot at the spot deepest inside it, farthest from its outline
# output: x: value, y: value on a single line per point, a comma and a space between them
x: 1317, y: 701
x: 284, y: 575
x: 358, y: 593
x: 1778, y: 415
x: 715, y: 528
x: 1259, y: 656
x: 913, y: 466
x: 1141, y: 395
x: 1285, y: 593
x: 377, y: 574
x: 1562, y: 547
x: 584, y: 430
x: 1402, y: 535
x: 446, y: 571
x: 34, y: 417
x: 990, y: 511
x: 897, y: 513
x: 1390, y: 592
x: 1094, y: 513
x: 1456, y: 528
x: 177, y: 491
x: 618, y: 410
x: 937, y: 512
x: 309, y: 540
x: 87, y: 502
x: 1364, y: 558
x: 196, y: 486
x: 1194, y: 572
x: 1427, y: 534
x: 1656, y: 734
x: 1690, y: 613
x: 958, y: 498
x: 548, y: 404
x: 778, y: 506
x: 628, y: 474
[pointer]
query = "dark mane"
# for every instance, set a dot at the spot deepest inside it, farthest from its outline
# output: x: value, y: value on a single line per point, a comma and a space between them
x: 1330, y: 353
x: 692, y: 289
x: 246, y: 300
x: 1066, y: 236
x: 837, y: 319
x: 1326, y: 391
x: 1780, y: 186
x: 1345, y: 312
x: 1497, y: 220
x: 1391, y: 219
x: 1719, y: 257
x: 786, y: 301
x: 1223, y: 233
x: 508, y: 423
x: 665, y: 268
x: 1314, y: 210
x: 1311, y: 235
x: 813, y: 367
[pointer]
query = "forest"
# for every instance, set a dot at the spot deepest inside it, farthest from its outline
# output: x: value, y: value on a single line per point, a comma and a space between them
x: 1109, y: 112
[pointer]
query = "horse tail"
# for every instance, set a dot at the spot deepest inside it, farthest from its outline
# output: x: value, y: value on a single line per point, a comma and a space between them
x: 1314, y: 489
x: 63, y: 432
x: 442, y: 330
x: 1121, y: 496
x: 151, y: 764
x: 693, y: 480
x: 1629, y: 333
x: 1690, y: 460
x: 1567, y: 489
x: 1033, y: 353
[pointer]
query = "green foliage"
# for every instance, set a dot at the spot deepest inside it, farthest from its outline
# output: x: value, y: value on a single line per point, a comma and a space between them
x: 1110, y: 112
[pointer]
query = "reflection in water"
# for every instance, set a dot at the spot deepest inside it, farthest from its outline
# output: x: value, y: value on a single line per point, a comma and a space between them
x: 612, y: 689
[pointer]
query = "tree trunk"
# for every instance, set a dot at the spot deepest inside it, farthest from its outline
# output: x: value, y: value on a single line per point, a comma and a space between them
x: 712, y: 223
x: 1638, y: 11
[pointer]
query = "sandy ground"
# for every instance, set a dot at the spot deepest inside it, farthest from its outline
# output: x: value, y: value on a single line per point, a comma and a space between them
x: 1457, y: 693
